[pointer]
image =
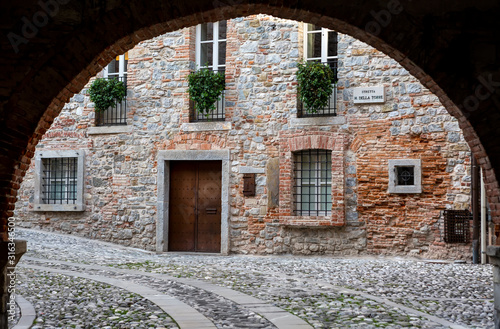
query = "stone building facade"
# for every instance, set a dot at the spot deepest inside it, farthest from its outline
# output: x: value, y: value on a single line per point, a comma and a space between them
x: 132, y: 175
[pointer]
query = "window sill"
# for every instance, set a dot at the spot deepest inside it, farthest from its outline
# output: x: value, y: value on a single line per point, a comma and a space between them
x: 206, y: 126
x: 103, y: 130
x: 318, y: 121
x: 57, y: 207
x: 312, y: 221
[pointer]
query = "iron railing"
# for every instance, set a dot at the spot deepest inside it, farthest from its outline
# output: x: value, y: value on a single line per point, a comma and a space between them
x: 331, y: 108
x: 219, y: 114
x: 457, y: 226
x: 115, y: 115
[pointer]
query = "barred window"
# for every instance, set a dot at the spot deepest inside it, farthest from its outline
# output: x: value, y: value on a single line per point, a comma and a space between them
x: 59, y: 180
x: 313, y: 183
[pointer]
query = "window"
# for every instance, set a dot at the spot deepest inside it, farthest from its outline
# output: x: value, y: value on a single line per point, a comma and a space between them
x: 405, y: 176
x: 211, y: 53
x: 59, y: 181
x: 313, y: 183
x: 320, y: 45
x: 117, y: 115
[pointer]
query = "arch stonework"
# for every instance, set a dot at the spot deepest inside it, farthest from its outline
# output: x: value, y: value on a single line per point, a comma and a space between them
x: 44, y: 62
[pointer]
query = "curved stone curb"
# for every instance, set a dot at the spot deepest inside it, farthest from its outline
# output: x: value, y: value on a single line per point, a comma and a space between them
x: 28, y: 313
x: 184, y: 315
x: 277, y: 316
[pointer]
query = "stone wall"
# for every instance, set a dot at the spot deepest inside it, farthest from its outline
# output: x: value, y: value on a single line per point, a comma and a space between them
x: 261, y: 131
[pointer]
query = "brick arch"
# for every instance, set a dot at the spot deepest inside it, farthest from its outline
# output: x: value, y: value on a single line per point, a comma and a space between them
x: 43, y: 77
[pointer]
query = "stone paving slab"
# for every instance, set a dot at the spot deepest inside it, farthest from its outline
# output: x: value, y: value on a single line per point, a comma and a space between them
x: 28, y: 313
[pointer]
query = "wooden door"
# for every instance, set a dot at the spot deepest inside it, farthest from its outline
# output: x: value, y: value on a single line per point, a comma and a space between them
x: 195, y: 206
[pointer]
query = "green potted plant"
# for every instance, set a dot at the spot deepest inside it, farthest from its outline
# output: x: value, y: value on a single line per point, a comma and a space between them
x: 315, y: 85
x: 205, y: 89
x: 106, y: 93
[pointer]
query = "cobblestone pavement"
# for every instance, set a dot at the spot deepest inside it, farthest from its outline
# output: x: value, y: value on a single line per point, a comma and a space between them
x: 324, y: 291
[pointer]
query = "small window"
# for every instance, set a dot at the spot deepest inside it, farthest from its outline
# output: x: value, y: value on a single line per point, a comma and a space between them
x: 116, y: 115
x: 405, y: 176
x: 320, y: 44
x: 59, y: 181
x: 211, y: 53
x: 313, y: 183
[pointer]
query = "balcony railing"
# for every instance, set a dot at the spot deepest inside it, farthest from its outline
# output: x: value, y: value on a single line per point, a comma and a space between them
x: 115, y: 115
x: 219, y: 114
x: 331, y: 108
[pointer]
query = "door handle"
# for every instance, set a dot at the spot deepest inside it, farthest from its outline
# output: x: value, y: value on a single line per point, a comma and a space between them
x: 211, y: 211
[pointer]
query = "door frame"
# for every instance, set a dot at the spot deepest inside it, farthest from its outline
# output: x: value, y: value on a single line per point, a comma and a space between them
x: 163, y: 185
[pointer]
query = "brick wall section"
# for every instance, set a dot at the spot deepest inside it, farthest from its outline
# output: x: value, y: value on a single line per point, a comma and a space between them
x: 262, y: 53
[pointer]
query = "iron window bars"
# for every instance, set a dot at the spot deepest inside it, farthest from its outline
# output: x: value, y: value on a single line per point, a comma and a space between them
x: 457, y: 226
x: 117, y: 115
x: 313, y: 183
x: 59, y: 180
x: 331, y: 108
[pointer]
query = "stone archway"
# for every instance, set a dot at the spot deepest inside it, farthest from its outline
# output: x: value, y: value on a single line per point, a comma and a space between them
x: 51, y: 48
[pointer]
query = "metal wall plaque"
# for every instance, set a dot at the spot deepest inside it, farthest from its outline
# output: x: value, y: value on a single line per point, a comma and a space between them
x: 363, y: 95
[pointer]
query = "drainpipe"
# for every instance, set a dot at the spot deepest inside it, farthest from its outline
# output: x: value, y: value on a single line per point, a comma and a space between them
x: 475, y: 210
x: 484, y: 230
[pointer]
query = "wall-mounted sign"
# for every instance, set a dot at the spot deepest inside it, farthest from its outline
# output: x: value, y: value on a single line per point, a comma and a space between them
x: 369, y: 95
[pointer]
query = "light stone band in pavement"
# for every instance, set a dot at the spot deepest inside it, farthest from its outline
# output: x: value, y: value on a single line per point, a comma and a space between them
x: 184, y: 315
x: 327, y: 292
x: 279, y: 317
x: 28, y: 314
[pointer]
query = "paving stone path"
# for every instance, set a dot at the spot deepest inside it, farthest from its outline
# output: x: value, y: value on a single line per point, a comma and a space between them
x: 80, y: 283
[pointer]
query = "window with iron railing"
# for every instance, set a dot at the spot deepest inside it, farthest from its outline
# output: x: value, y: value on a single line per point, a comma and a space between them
x: 216, y: 115
x: 211, y: 54
x: 331, y: 108
x: 320, y: 45
x: 115, y: 115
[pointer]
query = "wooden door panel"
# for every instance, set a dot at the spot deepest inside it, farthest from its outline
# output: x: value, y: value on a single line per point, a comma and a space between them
x: 195, y: 206
x: 209, y: 206
x: 182, y: 207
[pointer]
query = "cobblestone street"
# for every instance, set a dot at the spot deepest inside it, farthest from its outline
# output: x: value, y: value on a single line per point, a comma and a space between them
x: 79, y: 283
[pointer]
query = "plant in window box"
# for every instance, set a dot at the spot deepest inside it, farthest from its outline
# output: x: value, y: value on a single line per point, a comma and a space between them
x: 106, y: 93
x: 315, y: 85
x: 205, y: 89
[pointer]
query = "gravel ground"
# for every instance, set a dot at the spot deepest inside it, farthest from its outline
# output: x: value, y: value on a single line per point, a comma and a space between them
x: 308, y: 287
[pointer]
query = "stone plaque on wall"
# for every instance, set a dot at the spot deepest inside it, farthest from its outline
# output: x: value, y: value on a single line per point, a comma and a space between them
x: 273, y: 182
x: 363, y: 95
